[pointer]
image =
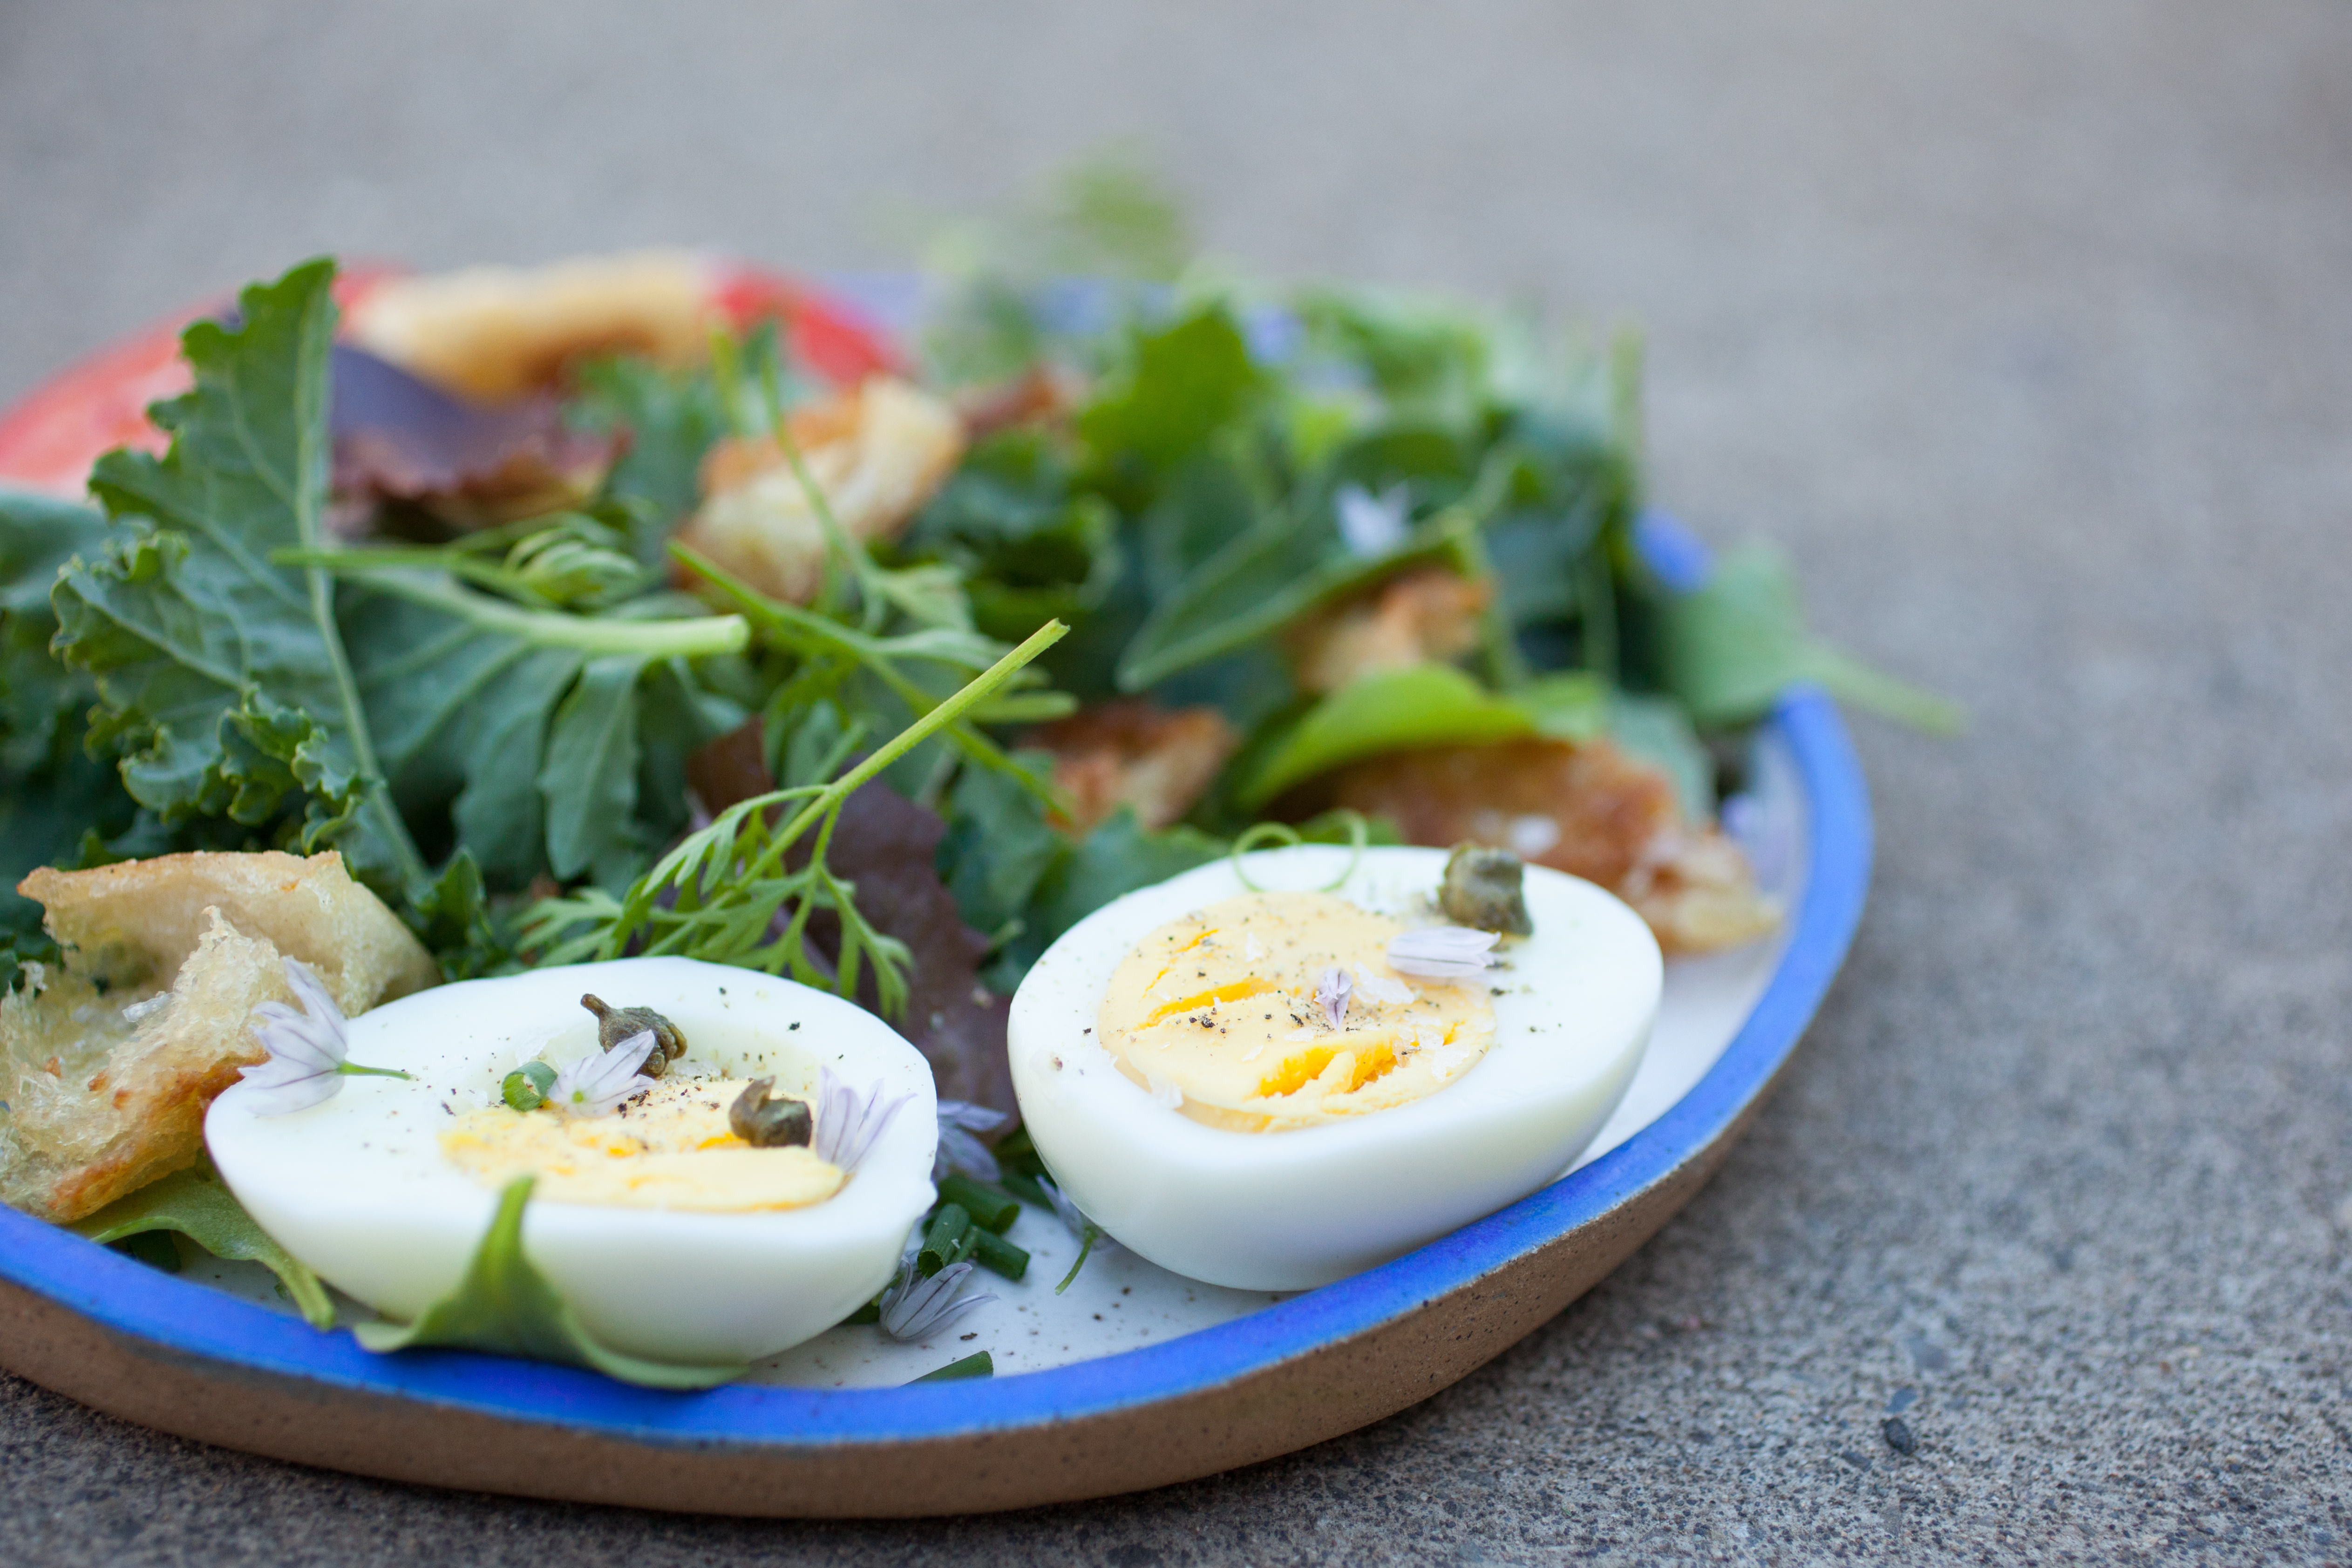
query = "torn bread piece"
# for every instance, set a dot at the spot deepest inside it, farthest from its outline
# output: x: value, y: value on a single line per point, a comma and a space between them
x: 1590, y: 809
x: 494, y: 334
x: 879, y: 453
x: 109, y: 1060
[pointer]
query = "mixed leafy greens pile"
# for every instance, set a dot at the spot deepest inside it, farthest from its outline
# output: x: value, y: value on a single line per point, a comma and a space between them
x: 499, y: 730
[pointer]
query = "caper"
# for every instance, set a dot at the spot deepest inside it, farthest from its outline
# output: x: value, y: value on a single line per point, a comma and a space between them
x: 1482, y: 889
x: 766, y: 1123
x: 526, y: 1087
x: 615, y: 1025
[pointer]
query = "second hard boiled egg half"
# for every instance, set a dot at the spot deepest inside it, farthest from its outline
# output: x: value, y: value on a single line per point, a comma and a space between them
x: 1180, y: 1074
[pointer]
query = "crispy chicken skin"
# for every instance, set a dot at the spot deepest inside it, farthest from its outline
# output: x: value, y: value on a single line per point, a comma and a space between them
x: 1418, y: 617
x: 1588, y: 809
x: 878, y: 453
x: 108, y: 1062
x: 1134, y: 753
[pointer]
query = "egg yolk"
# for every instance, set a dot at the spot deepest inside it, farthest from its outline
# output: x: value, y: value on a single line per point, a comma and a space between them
x: 669, y: 1148
x: 1220, y: 1007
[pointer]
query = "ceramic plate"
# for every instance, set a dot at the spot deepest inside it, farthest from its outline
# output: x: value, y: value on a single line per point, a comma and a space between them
x: 1133, y: 1379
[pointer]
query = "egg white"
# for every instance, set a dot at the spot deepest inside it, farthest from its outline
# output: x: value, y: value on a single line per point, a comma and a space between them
x: 358, y: 1189
x: 1287, y: 1211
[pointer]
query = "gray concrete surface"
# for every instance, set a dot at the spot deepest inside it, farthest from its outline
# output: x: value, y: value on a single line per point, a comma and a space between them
x: 2027, y: 328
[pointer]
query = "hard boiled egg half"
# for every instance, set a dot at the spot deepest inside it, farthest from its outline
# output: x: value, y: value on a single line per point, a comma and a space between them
x: 685, y: 1256
x: 1180, y: 1072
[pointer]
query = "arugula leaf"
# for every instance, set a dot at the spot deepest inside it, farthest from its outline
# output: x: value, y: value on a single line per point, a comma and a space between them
x: 505, y: 1305
x: 1119, y: 856
x: 1027, y: 547
x: 1656, y: 729
x: 1730, y: 647
x: 672, y: 419
x: 197, y: 1204
x: 1184, y: 383
x: 1385, y: 710
x: 1421, y: 706
x: 225, y: 679
x: 998, y: 846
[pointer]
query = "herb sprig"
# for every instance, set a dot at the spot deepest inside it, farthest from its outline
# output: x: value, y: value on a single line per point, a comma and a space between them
x: 718, y: 895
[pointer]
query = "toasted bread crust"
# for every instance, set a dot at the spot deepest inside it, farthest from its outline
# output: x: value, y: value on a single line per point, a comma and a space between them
x: 110, y: 1063
x: 1590, y: 810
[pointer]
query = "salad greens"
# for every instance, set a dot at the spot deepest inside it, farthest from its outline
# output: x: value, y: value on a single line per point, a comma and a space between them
x: 499, y: 728
x: 505, y: 1305
x: 196, y: 1204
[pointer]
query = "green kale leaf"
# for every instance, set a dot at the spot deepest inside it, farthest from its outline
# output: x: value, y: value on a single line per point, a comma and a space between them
x: 224, y: 678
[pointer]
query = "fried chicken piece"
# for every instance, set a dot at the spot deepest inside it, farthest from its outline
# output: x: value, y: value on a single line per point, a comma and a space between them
x: 109, y: 1062
x: 497, y: 333
x: 1592, y: 810
x: 879, y: 453
x: 1422, y: 616
x: 1135, y: 753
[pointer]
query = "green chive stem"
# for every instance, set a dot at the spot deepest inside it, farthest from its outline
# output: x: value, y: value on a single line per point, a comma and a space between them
x: 978, y: 1363
x: 997, y: 1255
x: 991, y: 1208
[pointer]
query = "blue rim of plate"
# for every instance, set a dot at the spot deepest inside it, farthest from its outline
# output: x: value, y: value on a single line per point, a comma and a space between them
x: 183, y: 1320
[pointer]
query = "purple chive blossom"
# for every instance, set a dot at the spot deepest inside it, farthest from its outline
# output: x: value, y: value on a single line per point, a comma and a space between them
x: 307, y: 1049
x: 1331, y: 995
x: 1442, y: 953
x: 848, y: 1120
x: 1372, y: 525
x: 599, y: 1081
x: 913, y: 1308
x: 958, y: 1149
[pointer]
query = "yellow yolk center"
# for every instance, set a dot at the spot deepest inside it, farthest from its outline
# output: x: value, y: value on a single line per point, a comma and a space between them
x: 671, y: 1148
x: 1220, y: 1007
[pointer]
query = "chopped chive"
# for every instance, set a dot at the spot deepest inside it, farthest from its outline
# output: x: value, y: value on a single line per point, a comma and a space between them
x: 997, y: 1255
x: 991, y: 1208
x: 1023, y: 1186
x: 871, y: 1312
x: 527, y: 1087
x: 978, y: 1363
x: 946, y: 1240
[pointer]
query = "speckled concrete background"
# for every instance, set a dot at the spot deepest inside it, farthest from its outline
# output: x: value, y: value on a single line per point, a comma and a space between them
x: 2028, y: 328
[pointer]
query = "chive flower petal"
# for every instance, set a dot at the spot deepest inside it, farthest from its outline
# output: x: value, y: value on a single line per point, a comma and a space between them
x: 1442, y: 951
x: 850, y: 1120
x: 1331, y: 993
x: 960, y: 1148
x: 599, y: 1081
x: 308, y: 1049
x: 914, y: 1307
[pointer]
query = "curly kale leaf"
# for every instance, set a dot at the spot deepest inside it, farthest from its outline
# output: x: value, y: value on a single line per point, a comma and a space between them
x: 222, y: 677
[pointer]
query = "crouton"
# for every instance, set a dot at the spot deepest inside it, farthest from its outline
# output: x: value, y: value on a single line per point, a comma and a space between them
x: 497, y: 333
x: 879, y: 453
x: 109, y: 1060
x: 1590, y: 810
x: 1422, y: 616
x: 1133, y: 753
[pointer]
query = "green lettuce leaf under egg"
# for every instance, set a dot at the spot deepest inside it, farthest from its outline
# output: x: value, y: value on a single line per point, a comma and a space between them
x: 505, y: 1305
